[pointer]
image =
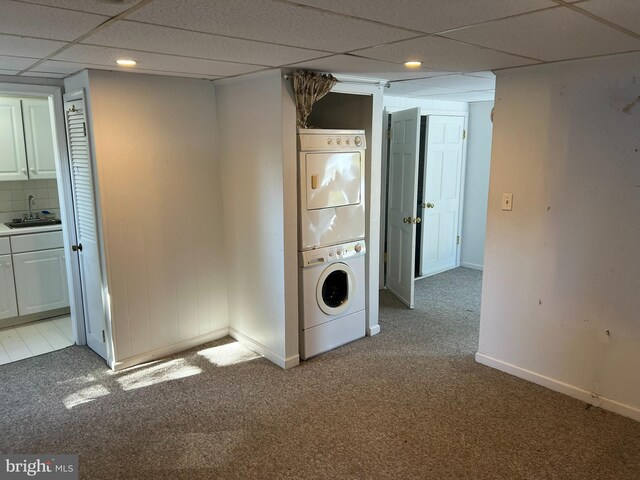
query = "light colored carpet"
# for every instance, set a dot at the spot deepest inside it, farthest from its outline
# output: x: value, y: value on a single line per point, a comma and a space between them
x: 408, y: 403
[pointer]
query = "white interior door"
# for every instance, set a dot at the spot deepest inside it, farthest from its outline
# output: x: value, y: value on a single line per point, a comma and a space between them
x: 401, y: 207
x: 87, y: 248
x: 441, y: 207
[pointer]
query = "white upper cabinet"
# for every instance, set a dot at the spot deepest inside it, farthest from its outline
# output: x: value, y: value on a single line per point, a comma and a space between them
x: 13, y: 157
x: 38, y: 137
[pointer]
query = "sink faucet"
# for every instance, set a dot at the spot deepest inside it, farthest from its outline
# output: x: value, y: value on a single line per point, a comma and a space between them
x: 31, y: 202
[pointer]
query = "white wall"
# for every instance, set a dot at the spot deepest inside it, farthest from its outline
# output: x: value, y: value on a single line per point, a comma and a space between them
x: 560, y: 296
x: 257, y: 151
x: 476, y: 185
x: 164, y: 254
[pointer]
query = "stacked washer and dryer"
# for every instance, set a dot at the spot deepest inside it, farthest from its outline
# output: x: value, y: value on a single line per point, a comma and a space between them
x: 331, y: 205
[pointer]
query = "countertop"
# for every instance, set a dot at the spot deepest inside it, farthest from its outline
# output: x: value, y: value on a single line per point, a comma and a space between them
x: 6, y: 231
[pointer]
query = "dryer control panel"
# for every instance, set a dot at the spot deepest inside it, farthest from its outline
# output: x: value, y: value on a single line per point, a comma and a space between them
x: 313, y: 140
x: 334, y: 253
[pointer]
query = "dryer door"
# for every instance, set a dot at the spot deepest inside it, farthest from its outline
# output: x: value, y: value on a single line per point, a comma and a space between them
x: 336, y: 288
x: 333, y: 179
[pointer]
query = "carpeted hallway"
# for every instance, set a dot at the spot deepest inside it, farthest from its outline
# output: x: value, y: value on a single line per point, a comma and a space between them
x: 407, y: 403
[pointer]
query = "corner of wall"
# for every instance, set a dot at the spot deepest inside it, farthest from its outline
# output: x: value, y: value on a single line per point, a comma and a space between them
x: 258, y: 172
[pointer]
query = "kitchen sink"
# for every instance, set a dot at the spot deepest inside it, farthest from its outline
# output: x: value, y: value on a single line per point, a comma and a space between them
x: 33, y: 223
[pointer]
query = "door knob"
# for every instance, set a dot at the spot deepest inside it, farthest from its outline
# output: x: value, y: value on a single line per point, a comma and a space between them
x: 76, y: 248
x: 417, y: 220
x: 428, y: 205
x: 406, y: 220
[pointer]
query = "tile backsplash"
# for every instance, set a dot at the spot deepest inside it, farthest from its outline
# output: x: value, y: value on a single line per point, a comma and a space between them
x: 14, y: 195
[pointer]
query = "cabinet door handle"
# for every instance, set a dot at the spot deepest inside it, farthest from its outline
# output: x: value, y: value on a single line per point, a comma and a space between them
x: 76, y: 248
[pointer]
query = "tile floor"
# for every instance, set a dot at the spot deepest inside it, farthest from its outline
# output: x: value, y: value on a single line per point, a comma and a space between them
x: 17, y: 343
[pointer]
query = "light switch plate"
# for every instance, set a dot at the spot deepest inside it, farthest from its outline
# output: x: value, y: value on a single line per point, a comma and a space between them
x: 507, y: 201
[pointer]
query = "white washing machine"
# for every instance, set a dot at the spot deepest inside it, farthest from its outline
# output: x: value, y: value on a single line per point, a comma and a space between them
x: 332, y: 297
x: 331, y: 171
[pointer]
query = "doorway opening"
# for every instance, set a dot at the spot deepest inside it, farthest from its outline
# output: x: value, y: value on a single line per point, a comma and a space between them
x: 39, y: 284
x: 436, y: 181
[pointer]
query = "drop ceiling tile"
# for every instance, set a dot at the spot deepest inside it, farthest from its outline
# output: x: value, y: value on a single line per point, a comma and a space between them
x: 454, y: 83
x: 625, y: 13
x: 430, y: 16
x: 153, y: 61
x: 69, y: 68
x: 442, y: 54
x: 110, y: 8
x: 46, y: 22
x: 15, y: 63
x: 61, y: 68
x: 365, y: 67
x: 270, y: 21
x: 153, y: 38
x: 27, y: 47
x: 557, y: 34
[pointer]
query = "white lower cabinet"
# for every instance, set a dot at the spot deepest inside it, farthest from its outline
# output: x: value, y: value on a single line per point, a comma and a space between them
x: 40, y: 281
x: 8, y: 304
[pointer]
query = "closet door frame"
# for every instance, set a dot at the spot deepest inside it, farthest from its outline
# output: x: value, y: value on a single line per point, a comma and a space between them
x: 63, y: 177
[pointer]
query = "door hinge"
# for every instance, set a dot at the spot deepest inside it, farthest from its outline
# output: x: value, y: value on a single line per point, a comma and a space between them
x: 464, y: 134
x: 104, y: 337
x: 458, y: 240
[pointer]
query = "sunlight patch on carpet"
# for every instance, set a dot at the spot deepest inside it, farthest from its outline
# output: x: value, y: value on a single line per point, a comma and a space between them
x: 228, y: 354
x: 158, y: 373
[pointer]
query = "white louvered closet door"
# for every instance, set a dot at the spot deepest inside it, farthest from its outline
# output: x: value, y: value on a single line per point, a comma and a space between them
x: 86, y: 224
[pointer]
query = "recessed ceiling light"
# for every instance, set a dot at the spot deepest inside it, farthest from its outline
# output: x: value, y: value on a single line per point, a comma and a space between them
x: 126, y: 62
x: 412, y: 64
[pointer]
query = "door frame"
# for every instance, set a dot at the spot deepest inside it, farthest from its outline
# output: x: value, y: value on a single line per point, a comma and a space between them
x: 63, y: 178
x: 385, y: 145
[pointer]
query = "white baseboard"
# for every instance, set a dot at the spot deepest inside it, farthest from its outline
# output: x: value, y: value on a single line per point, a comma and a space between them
x: 171, y: 349
x: 473, y: 266
x: 371, y: 331
x: 558, y: 386
x: 257, y: 347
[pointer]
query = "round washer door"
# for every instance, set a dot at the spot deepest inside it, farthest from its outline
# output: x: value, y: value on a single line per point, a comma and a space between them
x: 336, y: 288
